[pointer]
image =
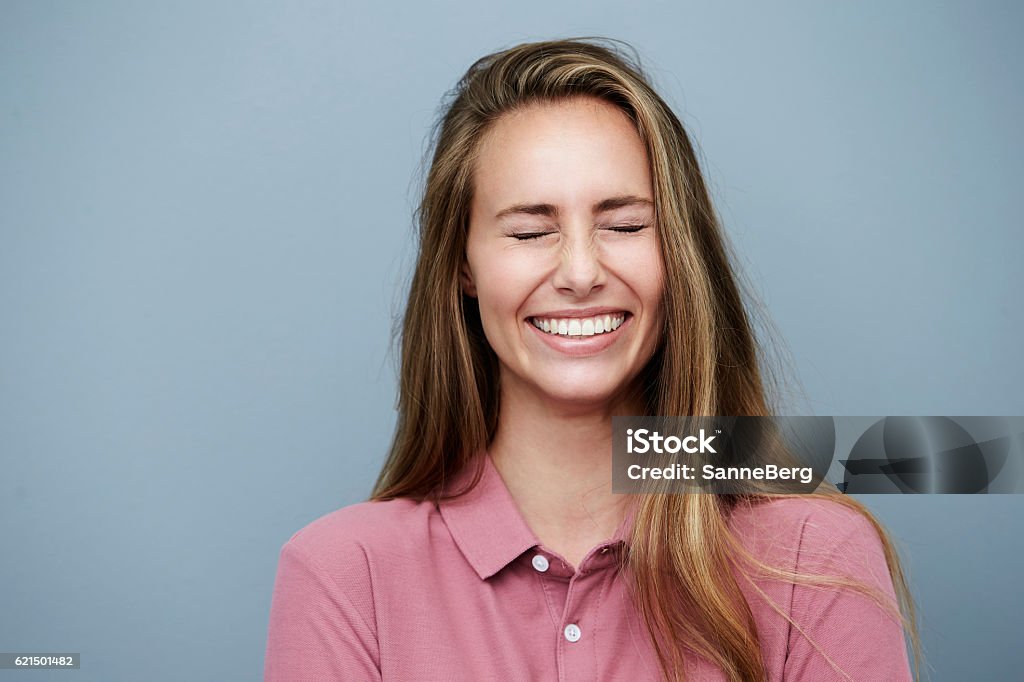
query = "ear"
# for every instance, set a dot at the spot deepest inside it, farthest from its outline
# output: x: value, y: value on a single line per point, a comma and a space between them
x: 466, y: 279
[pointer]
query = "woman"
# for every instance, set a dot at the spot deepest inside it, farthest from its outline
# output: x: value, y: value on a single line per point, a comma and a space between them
x: 572, y: 268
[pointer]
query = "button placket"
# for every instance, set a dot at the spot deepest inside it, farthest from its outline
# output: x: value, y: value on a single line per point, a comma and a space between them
x: 577, y: 656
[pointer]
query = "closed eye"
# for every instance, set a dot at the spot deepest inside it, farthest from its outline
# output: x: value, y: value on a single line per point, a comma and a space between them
x: 623, y: 229
x: 526, y: 236
x: 627, y: 229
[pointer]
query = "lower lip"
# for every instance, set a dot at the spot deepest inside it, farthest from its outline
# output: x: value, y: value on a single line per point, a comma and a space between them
x: 581, y: 346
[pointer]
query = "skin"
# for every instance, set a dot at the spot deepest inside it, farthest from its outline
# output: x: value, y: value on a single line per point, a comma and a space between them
x: 554, y: 436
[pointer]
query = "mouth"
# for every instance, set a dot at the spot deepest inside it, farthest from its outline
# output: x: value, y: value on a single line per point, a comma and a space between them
x: 580, y: 327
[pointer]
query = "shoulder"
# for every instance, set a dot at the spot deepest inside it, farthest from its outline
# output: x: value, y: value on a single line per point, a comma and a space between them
x: 833, y: 609
x: 358, y: 545
x: 798, y: 510
x: 336, y: 563
x: 323, y: 617
x: 359, y: 531
x: 809, y: 532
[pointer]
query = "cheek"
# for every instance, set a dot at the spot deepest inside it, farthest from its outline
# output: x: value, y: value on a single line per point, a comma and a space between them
x: 655, y: 285
x: 505, y: 284
x: 641, y: 267
x: 654, y: 270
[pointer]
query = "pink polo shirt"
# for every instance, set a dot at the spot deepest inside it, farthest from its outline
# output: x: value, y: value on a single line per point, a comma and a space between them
x: 399, y: 590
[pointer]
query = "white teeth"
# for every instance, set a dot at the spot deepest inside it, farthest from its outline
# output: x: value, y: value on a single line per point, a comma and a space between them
x: 576, y: 326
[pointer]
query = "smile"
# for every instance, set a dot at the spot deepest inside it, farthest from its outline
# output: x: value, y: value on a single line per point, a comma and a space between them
x: 579, y: 326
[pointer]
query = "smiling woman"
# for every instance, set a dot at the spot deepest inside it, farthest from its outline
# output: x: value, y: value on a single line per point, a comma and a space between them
x: 576, y: 248
x: 571, y: 268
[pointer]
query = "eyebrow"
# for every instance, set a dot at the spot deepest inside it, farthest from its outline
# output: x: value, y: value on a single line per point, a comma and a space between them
x: 551, y: 211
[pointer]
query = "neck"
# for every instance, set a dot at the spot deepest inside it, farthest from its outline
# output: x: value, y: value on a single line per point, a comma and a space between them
x: 556, y: 462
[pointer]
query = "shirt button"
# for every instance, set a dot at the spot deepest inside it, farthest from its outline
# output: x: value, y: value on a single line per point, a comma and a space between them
x: 572, y: 632
x: 540, y: 562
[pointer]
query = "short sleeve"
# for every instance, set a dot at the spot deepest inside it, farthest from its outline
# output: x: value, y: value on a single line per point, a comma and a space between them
x: 862, y: 640
x: 318, y: 628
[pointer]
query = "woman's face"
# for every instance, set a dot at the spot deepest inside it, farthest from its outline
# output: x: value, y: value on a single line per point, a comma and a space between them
x: 562, y: 253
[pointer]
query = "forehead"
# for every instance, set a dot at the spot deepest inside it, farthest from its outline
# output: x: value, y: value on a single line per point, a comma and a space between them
x: 569, y: 153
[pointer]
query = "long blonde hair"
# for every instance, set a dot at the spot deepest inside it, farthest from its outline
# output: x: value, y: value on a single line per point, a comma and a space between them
x: 682, y: 550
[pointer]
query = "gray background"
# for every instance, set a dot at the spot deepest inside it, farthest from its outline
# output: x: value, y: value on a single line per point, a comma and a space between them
x: 206, y: 218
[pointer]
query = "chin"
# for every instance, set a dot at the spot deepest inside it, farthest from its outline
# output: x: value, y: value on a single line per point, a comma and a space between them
x: 582, y: 396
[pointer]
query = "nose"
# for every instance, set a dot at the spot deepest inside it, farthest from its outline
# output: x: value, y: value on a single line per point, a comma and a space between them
x: 580, y: 270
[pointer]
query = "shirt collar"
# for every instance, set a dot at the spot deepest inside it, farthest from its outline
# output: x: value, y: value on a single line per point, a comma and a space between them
x: 485, y: 522
x: 487, y: 525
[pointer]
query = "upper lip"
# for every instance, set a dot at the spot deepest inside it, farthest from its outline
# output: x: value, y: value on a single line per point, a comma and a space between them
x: 580, y: 312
